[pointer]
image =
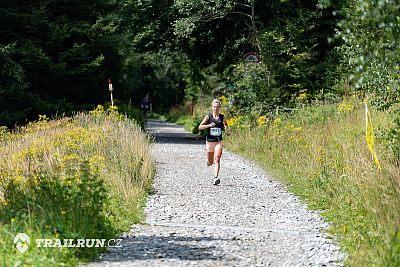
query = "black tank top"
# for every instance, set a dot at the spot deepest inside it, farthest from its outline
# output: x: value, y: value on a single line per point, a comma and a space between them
x: 215, y: 133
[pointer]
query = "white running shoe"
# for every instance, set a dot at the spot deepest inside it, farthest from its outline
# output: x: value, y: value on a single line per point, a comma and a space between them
x: 216, y: 181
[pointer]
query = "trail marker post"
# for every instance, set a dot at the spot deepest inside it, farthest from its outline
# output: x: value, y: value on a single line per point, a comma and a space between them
x: 110, y: 87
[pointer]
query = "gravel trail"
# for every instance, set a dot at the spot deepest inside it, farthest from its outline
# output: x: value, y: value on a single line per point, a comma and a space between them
x: 248, y: 220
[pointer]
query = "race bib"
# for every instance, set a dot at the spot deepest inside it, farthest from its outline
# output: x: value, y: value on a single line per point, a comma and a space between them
x: 215, y: 131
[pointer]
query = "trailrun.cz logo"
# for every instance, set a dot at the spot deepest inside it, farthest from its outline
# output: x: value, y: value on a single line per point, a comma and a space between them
x: 22, y: 242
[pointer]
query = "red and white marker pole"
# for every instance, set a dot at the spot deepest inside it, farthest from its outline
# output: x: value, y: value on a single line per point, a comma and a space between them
x: 110, y: 87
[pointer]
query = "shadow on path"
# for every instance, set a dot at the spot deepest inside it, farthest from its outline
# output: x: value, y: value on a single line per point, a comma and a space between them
x: 165, y: 247
x: 165, y: 132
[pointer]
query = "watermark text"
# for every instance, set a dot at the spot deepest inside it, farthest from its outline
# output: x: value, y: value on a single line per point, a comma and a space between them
x: 22, y: 242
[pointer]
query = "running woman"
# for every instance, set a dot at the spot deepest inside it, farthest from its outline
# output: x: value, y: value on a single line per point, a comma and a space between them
x: 214, y: 123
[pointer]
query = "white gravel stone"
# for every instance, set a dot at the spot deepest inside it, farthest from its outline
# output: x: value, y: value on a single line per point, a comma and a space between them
x: 247, y: 220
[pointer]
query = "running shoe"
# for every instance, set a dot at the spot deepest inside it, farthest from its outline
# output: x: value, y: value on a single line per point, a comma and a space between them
x: 216, y: 181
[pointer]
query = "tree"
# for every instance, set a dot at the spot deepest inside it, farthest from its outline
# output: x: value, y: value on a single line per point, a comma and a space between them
x: 370, y: 31
x: 15, y: 101
x: 66, y: 49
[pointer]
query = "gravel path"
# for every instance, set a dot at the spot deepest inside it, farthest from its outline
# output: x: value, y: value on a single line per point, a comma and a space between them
x: 248, y: 220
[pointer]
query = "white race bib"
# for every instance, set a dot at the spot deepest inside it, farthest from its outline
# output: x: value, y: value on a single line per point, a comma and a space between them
x: 215, y: 131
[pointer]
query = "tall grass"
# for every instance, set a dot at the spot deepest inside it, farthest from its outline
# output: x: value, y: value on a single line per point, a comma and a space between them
x: 321, y: 154
x: 80, y: 177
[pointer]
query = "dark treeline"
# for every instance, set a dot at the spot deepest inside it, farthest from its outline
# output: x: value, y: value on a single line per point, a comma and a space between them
x: 57, y: 56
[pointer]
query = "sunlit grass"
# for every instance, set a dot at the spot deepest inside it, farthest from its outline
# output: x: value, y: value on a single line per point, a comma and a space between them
x: 321, y: 154
x: 81, y: 177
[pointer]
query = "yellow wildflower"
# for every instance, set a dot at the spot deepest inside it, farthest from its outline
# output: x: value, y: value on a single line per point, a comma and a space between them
x: 224, y: 100
x: 277, y: 122
x: 344, y: 107
x: 232, y: 121
x: 262, y: 121
x: 98, y: 110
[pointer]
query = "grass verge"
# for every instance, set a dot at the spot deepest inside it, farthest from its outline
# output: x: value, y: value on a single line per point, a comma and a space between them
x: 85, y: 177
x: 321, y: 154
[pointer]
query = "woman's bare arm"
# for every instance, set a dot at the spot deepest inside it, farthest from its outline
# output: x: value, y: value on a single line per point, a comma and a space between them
x: 203, y: 124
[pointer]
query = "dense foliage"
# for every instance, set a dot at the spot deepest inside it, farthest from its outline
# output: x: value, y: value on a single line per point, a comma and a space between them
x: 58, y: 55
x: 371, y: 34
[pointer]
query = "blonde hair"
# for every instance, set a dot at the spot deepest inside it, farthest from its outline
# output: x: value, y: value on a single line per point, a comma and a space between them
x: 216, y: 101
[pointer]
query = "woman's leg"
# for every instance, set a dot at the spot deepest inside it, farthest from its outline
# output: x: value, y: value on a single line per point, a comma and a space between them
x: 217, y: 160
x: 210, y: 158
x: 210, y: 152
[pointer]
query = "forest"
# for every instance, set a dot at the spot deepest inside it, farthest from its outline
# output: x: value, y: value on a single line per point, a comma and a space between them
x: 57, y: 56
x: 316, y: 84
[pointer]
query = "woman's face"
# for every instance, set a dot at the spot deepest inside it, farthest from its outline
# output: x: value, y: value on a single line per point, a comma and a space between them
x: 215, y: 107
